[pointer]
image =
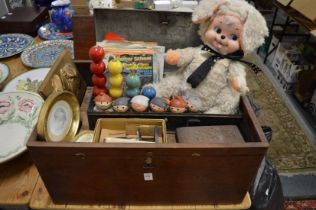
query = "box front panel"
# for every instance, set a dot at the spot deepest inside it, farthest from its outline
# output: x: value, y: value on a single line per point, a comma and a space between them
x: 146, y: 176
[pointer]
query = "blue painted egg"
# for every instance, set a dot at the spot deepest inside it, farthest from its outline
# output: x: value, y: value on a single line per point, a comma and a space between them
x: 149, y: 92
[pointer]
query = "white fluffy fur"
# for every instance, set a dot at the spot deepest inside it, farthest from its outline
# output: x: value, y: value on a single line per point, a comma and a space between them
x: 215, y: 95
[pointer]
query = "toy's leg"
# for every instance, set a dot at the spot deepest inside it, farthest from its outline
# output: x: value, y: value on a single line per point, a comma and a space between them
x: 169, y: 86
x: 227, y: 102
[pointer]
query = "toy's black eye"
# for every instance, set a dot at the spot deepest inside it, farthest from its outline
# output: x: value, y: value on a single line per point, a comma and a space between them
x: 233, y: 37
x: 217, y: 29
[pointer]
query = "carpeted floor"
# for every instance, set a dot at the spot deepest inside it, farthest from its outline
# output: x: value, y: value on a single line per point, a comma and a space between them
x: 290, y: 150
x: 300, y: 205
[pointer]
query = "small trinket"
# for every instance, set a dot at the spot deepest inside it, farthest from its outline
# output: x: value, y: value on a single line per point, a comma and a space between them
x: 116, y: 78
x: 97, y: 67
x: 133, y: 84
x: 103, y: 101
x: 149, y: 92
x: 121, y: 104
x: 178, y: 105
x: 159, y: 104
x: 139, y: 103
x: 191, y: 108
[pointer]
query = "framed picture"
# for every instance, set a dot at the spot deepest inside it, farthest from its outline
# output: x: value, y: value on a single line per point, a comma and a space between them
x: 63, y: 76
x: 59, y: 117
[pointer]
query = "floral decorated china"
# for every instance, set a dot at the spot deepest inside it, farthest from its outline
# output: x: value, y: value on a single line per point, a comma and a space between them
x: 4, y: 72
x: 12, y: 44
x: 18, y: 116
x: 49, y: 31
x: 45, y: 53
x: 28, y: 81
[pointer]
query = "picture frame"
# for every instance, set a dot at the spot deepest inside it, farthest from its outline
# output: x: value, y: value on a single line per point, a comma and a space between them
x: 59, y: 117
x: 63, y: 76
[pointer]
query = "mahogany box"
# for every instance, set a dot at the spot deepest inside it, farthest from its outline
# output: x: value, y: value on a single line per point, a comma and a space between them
x: 179, y: 173
x: 161, y: 173
x: 24, y: 20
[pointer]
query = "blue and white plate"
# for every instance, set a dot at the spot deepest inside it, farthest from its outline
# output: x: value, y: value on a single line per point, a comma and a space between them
x: 12, y: 44
x: 4, y: 72
x: 45, y: 53
x: 49, y: 31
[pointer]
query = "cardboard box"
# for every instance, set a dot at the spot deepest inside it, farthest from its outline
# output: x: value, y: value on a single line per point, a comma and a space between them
x: 305, y: 86
x: 288, y: 62
x: 306, y: 8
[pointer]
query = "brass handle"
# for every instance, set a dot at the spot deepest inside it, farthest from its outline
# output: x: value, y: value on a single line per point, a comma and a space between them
x: 80, y: 155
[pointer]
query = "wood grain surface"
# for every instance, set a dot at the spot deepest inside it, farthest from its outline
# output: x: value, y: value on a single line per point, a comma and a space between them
x: 42, y: 201
x: 17, y: 181
x: 19, y: 175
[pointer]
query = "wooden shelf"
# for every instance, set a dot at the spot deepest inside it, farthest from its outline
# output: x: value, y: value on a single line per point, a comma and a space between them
x: 298, y: 17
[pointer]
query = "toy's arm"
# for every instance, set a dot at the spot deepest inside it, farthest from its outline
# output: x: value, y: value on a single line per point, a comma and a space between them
x: 180, y: 57
x: 237, y: 77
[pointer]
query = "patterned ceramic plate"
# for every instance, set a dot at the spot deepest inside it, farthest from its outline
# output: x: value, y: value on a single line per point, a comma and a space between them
x: 28, y: 81
x: 85, y: 136
x: 50, y: 31
x: 4, y: 72
x: 18, y: 115
x: 45, y: 53
x: 12, y: 44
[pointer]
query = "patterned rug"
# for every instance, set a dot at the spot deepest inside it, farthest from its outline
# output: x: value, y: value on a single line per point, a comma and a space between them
x: 290, y: 150
x: 300, y: 205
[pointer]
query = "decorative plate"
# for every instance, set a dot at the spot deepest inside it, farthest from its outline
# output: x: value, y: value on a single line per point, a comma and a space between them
x: 59, y: 117
x: 49, y: 31
x: 4, y: 72
x: 12, y: 44
x: 18, y: 116
x: 28, y: 81
x: 85, y: 136
x: 45, y: 53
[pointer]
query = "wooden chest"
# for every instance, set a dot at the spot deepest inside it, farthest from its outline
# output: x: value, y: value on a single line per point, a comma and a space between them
x: 113, y: 173
x: 24, y: 20
x: 179, y: 173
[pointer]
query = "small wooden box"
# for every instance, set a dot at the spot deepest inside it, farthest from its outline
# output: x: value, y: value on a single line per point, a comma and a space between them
x: 24, y: 20
x: 122, y: 124
x: 178, y: 173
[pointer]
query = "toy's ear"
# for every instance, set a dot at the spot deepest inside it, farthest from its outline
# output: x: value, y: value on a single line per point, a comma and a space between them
x: 255, y: 30
x: 205, y: 10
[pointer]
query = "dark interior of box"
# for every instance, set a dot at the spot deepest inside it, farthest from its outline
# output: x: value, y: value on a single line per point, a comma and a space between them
x: 195, y: 127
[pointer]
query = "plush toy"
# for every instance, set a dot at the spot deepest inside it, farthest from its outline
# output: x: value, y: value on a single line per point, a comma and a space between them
x: 211, y: 78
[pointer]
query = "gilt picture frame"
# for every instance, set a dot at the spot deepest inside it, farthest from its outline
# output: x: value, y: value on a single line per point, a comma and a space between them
x: 59, y: 117
x: 63, y: 76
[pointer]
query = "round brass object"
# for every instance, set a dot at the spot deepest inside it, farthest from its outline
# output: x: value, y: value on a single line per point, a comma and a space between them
x: 59, y: 117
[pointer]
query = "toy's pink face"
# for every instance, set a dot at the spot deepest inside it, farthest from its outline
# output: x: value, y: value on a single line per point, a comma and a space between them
x: 224, y: 34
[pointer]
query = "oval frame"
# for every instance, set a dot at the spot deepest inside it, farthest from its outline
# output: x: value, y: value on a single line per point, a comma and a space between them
x: 43, y: 128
